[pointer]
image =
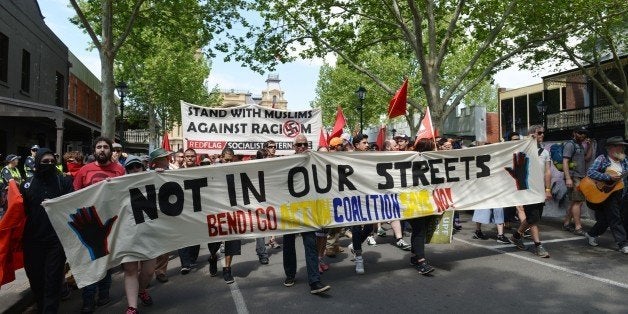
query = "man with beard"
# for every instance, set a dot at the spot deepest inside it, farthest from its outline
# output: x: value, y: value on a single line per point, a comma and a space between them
x: 101, y: 169
x: 44, y: 259
x: 609, y: 168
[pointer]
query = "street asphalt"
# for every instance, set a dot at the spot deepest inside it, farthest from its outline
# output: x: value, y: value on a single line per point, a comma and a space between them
x: 471, y: 276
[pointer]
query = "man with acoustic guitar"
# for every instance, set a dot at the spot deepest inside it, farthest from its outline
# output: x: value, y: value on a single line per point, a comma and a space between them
x: 607, y: 173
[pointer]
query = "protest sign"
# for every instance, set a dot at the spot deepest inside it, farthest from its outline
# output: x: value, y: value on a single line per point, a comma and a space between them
x: 142, y: 216
x: 246, y: 128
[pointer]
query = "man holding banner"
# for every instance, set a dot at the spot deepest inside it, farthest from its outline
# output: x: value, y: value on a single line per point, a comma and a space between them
x: 93, y: 173
x: 309, y: 244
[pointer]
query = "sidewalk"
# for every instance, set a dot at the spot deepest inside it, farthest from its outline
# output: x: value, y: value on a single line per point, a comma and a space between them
x: 16, y: 296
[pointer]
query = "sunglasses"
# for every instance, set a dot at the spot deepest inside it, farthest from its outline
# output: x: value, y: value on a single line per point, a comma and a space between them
x: 273, y: 146
x: 47, y: 161
x: 134, y: 166
x: 540, y: 132
x: 300, y: 144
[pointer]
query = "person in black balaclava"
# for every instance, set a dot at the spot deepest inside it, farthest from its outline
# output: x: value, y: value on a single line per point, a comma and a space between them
x: 44, y: 257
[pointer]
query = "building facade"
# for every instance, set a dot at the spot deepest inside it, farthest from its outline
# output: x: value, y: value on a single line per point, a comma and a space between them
x: 37, y: 74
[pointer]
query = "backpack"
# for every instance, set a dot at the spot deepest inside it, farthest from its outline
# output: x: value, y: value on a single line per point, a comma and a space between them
x: 556, y: 154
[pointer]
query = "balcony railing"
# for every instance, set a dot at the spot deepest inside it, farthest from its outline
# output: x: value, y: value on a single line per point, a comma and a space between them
x: 136, y: 136
x: 570, y: 119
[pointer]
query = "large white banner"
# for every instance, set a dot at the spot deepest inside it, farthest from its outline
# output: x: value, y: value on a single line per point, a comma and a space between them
x: 142, y: 216
x: 246, y: 128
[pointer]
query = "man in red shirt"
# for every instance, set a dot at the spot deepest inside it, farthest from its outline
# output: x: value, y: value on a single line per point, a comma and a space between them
x: 92, y: 173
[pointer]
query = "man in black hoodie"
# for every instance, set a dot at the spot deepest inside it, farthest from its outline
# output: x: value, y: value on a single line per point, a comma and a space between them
x: 44, y: 258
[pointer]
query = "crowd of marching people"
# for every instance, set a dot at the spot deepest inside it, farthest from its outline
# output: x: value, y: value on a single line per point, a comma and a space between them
x: 46, y: 175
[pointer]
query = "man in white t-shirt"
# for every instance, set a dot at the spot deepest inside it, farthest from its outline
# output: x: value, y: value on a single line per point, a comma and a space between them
x: 534, y: 211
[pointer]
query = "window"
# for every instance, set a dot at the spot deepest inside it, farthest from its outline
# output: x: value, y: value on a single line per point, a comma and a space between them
x: 26, y: 71
x: 4, y: 57
x: 59, y: 89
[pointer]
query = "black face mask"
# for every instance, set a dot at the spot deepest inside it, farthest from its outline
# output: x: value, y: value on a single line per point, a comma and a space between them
x: 46, y: 170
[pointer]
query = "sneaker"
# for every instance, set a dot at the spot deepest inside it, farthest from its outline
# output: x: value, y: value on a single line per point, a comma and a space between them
x: 518, y: 242
x: 579, y: 232
x: 222, y: 247
x: 131, y: 310
x: 145, y: 298
x: 289, y: 282
x: 592, y: 240
x: 381, y: 232
x: 540, y: 251
x: 502, y: 239
x: 350, y: 247
x: 226, y: 274
x: 213, y: 265
x: 624, y: 249
x: 162, y: 278
x: 370, y: 240
x: 359, y: 265
x: 322, y: 265
x: 479, y: 235
x: 185, y: 270
x: 403, y: 245
x: 263, y: 260
x: 318, y: 287
x: 424, y: 268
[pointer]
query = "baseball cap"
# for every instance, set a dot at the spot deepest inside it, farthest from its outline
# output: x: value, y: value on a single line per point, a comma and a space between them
x: 132, y: 160
x: 11, y: 157
x: 35, y: 147
x: 116, y: 145
x: 581, y: 130
x: 403, y: 137
x: 158, y: 153
x: 335, y: 141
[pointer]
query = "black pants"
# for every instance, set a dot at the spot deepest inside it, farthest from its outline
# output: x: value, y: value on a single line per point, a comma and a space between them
x: 44, y: 263
x: 419, y: 233
x: 607, y: 214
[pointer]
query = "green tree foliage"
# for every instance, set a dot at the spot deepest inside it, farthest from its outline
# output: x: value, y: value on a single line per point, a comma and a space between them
x: 457, y: 44
x: 597, y: 45
x: 177, y: 26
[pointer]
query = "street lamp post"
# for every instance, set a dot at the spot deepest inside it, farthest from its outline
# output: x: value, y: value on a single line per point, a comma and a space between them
x: 122, y: 89
x: 361, y: 93
x: 541, y: 107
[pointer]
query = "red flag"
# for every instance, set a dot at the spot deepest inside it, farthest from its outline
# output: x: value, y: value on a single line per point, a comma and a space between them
x: 381, y: 137
x: 426, y: 129
x: 11, y: 231
x: 322, y: 140
x: 165, y: 143
x: 397, y: 105
x: 339, y: 124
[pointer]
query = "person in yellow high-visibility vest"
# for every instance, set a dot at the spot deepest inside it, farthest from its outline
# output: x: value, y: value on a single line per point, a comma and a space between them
x: 7, y: 173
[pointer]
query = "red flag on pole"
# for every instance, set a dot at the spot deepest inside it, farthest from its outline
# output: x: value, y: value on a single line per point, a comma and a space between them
x: 11, y: 232
x: 426, y: 129
x: 339, y: 124
x: 397, y: 105
x: 381, y: 137
x: 322, y: 139
x: 165, y: 143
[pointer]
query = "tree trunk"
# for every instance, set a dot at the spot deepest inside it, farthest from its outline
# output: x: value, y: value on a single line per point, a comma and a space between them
x: 107, y: 97
x: 153, y: 137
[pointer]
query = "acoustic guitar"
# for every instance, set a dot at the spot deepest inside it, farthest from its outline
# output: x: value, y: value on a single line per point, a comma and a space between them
x: 596, y: 192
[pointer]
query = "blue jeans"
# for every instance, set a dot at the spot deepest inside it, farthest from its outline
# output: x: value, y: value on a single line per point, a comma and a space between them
x: 311, y: 256
x: 360, y: 233
x: 103, y: 285
x: 189, y: 255
x: 260, y: 247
